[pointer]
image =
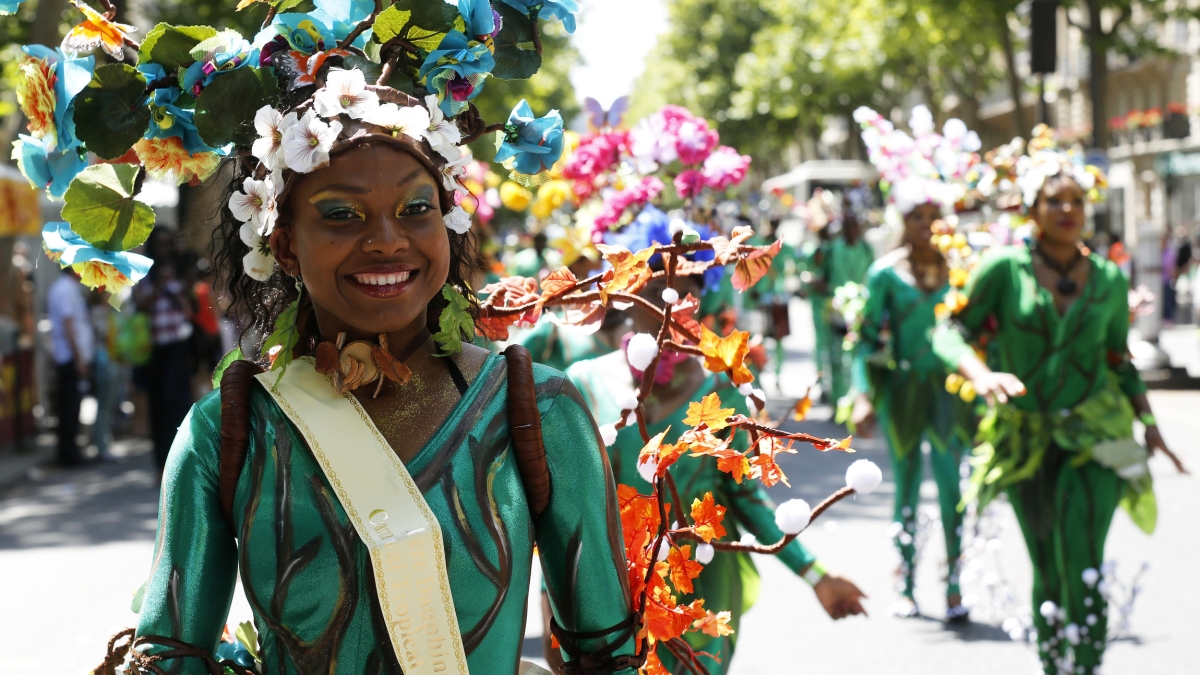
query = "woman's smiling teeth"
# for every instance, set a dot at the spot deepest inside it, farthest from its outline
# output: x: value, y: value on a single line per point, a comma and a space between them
x: 372, y: 279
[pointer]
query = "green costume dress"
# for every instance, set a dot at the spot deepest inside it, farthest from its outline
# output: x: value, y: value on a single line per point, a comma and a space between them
x: 895, y: 364
x: 812, y: 260
x: 730, y: 581
x: 841, y: 263
x: 557, y: 347
x: 308, y: 577
x: 1042, y: 448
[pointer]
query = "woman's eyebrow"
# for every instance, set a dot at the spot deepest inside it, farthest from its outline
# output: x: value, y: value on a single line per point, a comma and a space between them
x: 338, y: 188
x: 410, y: 175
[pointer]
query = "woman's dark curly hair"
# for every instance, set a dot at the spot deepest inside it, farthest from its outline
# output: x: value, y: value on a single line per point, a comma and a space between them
x: 257, y: 304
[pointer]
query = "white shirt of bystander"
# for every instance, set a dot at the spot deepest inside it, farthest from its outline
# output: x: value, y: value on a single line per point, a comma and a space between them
x: 65, y: 301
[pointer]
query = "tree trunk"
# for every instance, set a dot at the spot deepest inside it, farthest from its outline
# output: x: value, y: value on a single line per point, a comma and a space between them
x: 1014, y: 79
x: 45, y: 23
x: 1098, y: 80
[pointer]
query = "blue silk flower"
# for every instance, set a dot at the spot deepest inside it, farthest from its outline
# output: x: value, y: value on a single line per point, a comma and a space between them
x: 563, y: 10
x: 456, y: 70
x: 71, y: 249
x: 533, y: 144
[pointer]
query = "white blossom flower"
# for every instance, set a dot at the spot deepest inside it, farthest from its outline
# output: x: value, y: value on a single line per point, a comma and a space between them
x: 306, y: 144
x: 412, y: 121
x: 704, y: 553
x: 641, y: 351
x: 608, y: 434
x: 453, y: 170
x: 458, y: 220
x: 443, y: 135
x: 259, y: 262
x: 793, y: 516
x: 345, y: 93
x: 270, y: 125
x: 257, y: 204
x: 647, y: 469
x: 863, y: 476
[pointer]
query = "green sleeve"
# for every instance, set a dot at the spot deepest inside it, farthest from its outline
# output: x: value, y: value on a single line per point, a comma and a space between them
x: 192, y: 578
x: 1117, y: 337
x: 755, y: 512
x: 540, y: 341
x: 985, y: 293
x: 868, y: 334
x: 579, y: 536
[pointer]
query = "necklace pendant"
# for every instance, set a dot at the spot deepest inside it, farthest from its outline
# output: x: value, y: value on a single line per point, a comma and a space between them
x: 1067, y: 286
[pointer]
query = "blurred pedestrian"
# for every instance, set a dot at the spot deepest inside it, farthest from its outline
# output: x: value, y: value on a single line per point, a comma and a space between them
x: 169, y: 305
x: 72, y: 344
x: 106, y: 373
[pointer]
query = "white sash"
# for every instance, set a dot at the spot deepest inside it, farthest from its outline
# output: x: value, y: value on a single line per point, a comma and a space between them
x: 389, y: 513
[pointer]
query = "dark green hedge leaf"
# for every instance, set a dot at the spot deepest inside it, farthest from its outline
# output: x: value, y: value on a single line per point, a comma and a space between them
x: 225, y: 109
x: 111, y: 112
x: 168, y: 45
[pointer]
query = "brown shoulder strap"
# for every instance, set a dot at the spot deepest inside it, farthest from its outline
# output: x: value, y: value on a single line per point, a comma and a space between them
x: 236, y: 383
x: 525, y: 429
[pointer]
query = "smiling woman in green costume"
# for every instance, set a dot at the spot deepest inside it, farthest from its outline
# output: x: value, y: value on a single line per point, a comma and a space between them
x: 381, y: 488
x: 1058, y: 441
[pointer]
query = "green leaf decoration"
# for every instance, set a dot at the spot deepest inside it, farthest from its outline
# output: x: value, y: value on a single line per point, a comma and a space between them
x: 111, y: 112
x: 138, y: 596
x: 223, y: 365
x: 170, y: 46
x: 286, y: 336
x: 422, y: 22
x: 516, y: 58
x: 370, y: 70
x: 100, y: 208
x: 454, y: 322
x: 246, y: 635
x: 225, y: 109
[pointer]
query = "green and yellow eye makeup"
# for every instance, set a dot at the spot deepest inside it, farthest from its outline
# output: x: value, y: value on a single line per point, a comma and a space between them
x: 333, y: 205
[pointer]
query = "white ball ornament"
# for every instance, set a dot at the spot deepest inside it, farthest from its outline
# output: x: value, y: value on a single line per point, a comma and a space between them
x: 647, y: 470
x: 670, y: 296
x: 641, y: 350
x: 608, y: 434
x: 863, y: 476
x: 1048, y: 610
x: 629, y: 401
x: 1072, y: 632
x: 745, y: 389
x: 704, y: 553
x: 1090, y: 576
x: 793, y: 516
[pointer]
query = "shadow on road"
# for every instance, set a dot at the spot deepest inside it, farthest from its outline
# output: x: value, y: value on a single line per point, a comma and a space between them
x: 98, y: 503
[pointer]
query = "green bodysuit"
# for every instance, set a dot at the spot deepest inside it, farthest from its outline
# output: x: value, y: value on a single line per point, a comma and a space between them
x: 895, y: 364
x: 1039, y: 447
x: 307, y: 575
x: 841, y: 263
x: 730, y: 581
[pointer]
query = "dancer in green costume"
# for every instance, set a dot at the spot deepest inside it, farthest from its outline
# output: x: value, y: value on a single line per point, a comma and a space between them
x: 352, y: 233
x: 1059, y: 440
x: 846, y: 259
x: 815, y: 287
x: 897, y: 379
x: 730, y: 580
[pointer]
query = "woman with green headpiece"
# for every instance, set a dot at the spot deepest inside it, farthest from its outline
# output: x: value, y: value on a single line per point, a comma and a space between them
x: 1059, y: 437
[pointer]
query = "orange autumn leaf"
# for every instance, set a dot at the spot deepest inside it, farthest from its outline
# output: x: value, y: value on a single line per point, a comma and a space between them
x: 754, y: 266
x: 716, y: 625
x: 495, y: 327
x: 556, y: 282
x: 683, y: 314
x: 733, y: 463
x: 97, y: 31
x: 726, y: 249
x: 800, y: 410
x: 629, y: 272
x: 707, y: 516
x: 844, y: 445
x: 639, y: 520
x: 702, y: 442
x: 728, y: 353
x: 654, y: 666
x: 683, y: 568
x: 765, y: 469
x: 666, y: 620
x: 708, y: 411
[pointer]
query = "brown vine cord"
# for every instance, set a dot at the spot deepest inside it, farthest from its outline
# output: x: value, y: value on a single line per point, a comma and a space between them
x: 142, y: 663
x: 236, y: 384
x: 525, y: 429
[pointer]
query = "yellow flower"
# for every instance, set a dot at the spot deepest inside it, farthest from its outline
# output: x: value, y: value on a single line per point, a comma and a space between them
x: 954, y: 383
x: 492, y: 179
x: 162, y: 156
x: 967, y: 392
x: 542, y: 209
x: 557, y: 192
x: 514, y: 197
x: 100, y: 275
x: 35, y: 94
x: 958, y: 277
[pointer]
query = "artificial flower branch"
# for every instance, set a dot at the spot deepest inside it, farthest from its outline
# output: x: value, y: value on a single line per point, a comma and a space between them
x: 777, y: 547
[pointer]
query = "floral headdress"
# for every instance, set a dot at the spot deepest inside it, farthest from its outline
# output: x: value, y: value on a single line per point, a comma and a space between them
x: 306, y: 86
x: 927, y: 167
x: 1020, y: 170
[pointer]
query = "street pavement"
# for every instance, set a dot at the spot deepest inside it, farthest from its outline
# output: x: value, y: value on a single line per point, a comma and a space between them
x: 74, y: 545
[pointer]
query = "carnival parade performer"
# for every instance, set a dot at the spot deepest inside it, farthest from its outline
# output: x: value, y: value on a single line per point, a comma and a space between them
x: 898, y: 382
x: 819, y: 213
x: 381, y: 487
x: 729, y: 581
x: 1059, y: 439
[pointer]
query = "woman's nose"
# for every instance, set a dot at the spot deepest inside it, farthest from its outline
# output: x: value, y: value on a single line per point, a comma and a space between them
x: 386, y: 237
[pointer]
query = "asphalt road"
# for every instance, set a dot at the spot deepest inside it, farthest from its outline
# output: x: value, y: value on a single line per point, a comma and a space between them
x: 75, y: 544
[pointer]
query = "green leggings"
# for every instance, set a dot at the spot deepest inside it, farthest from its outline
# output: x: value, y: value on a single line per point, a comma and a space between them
x: 1065, y: 513
x: 821, y: 334
x: 908, y: 472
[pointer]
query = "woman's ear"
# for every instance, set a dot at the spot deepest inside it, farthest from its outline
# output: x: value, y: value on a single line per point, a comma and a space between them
x: 280, y: 241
